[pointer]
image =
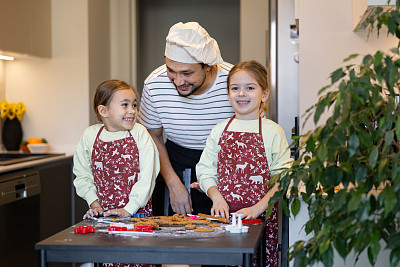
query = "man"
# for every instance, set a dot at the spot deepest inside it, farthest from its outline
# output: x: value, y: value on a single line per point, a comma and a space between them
x: 182, y: 100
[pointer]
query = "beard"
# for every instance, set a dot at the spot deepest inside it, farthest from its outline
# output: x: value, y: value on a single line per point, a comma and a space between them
x: 194, y: 87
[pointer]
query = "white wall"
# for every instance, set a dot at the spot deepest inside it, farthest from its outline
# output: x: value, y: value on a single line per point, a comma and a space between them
x: 55, y: 91
x: 326, y: 38
x: 288, y: 69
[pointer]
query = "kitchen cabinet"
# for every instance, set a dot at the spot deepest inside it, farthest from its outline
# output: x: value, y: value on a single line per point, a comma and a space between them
x: 25, y: 27
x: 55, y: 197
x: 41, y: 207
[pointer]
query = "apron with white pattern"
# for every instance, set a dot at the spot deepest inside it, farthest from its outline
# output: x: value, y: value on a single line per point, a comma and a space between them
x: 242, y: 175
x: 115, y: 168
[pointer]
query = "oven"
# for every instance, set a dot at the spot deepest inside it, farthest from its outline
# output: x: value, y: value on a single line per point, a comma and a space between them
x: 19, y: 217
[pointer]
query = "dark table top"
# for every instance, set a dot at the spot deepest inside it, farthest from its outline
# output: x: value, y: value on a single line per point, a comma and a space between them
x: 171, y: 245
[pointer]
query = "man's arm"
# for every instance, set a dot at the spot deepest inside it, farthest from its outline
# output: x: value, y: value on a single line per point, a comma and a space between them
x: 179, y: 196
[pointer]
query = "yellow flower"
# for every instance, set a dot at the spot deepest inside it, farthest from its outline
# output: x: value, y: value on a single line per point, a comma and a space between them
x: 11, y: 110
x: 3, y: 109
x: 20, y: 110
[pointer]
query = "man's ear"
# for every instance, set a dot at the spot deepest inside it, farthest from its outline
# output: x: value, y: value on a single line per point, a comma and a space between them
x: 102, y: 111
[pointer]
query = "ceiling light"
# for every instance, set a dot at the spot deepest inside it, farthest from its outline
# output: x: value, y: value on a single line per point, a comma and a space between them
x: 6, y: 57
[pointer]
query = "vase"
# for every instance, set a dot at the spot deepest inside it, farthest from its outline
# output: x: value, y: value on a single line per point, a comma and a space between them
x: 12, y: 134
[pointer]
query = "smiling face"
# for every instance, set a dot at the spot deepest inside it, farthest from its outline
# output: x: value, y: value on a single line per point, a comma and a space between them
x: 187, y: 78
x: 120, y: 113
x: 246, y: 95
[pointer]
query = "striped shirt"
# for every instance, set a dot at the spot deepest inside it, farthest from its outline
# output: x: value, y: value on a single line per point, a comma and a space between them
x: 187, y: 121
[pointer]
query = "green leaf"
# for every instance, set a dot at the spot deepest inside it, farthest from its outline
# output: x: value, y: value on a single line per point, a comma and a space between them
x: 361, y: 173
x: 378, y: 58
x: 337, y: 75
x: 371, y: 256
x: 324, y: 246
x: 319, y: 110
x: 366, y: 139
x: 285, y: 207
x: 352, y: 56
x: 394, y: 241
x: 389, y: 138
x: 367, y: 60
x: 389, y: 202
x: 322, y: 153
x: 327, y: 257
x: 363, y: 211
x: 341, y: 246
x: 391, y: 25
x: 354, y: 201
x: 310, y: 144
x: 339, y: 200
x: 395, y: 257
x: 398, y: 127
x: 373, y: 157
x: 354, y: 142
x: 295, y: 207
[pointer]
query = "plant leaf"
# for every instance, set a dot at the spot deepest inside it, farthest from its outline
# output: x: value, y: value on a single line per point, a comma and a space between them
x: 337, y: 75
x: 341, y: 246
x: 354, y: 201
x: 395, y: 257
x: 295, y: 207
x: 354, y: 142
x: 373, y: 157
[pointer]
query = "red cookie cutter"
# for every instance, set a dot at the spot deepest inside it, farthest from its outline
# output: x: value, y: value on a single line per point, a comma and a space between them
x: 117, y: 228
x: 84, y: 230
x: 144, y: 228
x: 251, y: 221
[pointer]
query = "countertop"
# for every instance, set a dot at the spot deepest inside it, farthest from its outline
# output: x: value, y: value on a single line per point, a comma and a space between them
x: 33, y: 163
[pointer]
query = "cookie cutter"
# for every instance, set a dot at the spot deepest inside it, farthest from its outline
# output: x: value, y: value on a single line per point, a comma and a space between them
x: 237, y: 226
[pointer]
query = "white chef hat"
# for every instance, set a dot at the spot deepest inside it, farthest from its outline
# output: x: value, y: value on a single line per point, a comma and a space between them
x: 190, y: 43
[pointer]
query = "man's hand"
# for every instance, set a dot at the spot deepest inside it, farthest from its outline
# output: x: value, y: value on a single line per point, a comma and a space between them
x: 178, y: 194
x: 180, y: 199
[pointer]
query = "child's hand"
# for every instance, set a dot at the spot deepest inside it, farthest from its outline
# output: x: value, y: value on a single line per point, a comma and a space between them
x: 249, y: 213
x: 220, y: 208
x: 93, y: 212
x: 118, y: 212
x: 196, y: 185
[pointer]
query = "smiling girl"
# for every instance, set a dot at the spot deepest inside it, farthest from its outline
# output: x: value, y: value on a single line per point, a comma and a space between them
x: 243, y: 152
x: 116, y: 162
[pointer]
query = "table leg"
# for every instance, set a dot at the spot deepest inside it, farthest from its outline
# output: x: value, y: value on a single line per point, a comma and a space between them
x: 43, y: 260
x: 262, y: 249
x: 248, y: 260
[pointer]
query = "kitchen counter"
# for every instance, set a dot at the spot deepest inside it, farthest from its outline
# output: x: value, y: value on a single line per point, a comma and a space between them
x: 33, y: 163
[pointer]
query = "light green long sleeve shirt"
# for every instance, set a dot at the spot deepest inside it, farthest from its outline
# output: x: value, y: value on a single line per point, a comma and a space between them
x: 275, y: 144
x: 148, y: 160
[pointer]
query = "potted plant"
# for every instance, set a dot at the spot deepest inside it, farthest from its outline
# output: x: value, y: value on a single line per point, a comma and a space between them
x: 12, y: 129
x: 348, y: 170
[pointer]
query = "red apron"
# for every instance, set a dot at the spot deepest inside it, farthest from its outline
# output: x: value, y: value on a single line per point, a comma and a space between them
x: 242, y: 175
x: 115, y: 168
